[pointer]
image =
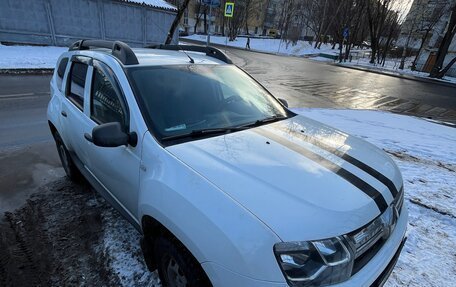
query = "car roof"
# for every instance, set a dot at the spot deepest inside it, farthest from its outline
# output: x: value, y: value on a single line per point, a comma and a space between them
x: 160, y: 57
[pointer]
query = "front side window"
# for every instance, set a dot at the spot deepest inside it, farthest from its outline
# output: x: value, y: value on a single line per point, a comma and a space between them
x: 61, y: 72
x: 181, y: 99
x: 75, y: 92
x: 106, y: 99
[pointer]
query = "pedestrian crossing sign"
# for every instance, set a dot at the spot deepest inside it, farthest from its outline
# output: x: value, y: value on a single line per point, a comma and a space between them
x: 229, y: 9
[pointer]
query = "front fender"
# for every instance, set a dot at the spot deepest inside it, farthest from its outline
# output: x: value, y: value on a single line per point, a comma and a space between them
x: 213, y: 226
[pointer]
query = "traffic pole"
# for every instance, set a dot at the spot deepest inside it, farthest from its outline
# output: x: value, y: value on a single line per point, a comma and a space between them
x: 209, y: 26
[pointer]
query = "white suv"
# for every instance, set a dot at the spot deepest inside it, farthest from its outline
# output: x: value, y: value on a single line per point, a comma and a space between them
x: 228, y: 186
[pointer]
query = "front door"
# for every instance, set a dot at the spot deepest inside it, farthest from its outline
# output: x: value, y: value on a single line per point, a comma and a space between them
x: 116, y: 168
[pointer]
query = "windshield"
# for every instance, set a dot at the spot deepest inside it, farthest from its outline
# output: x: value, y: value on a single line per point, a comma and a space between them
x: 184, y: 98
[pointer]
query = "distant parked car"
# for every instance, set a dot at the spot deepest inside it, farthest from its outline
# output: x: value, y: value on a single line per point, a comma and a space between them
x: 226, y: 184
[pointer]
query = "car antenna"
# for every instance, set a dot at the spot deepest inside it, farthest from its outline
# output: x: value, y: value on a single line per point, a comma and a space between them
x: 191, y: 59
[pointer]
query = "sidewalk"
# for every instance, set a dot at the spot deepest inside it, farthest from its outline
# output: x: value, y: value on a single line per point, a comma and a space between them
x: 396, y: 74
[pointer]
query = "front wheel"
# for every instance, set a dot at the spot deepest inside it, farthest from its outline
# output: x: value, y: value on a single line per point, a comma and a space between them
x: 67, y: 162
x: 176, y: 266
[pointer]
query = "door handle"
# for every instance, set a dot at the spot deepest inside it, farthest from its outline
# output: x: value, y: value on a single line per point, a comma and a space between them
x: 63, y: 113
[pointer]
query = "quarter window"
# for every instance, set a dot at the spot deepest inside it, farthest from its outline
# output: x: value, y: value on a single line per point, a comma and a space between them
x: 77, y: 82
x: 60, y: 72
x: 106, y: 98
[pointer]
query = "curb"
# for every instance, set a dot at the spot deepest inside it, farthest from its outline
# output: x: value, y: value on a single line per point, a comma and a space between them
x: 46, y: 71
x: 396, y: 75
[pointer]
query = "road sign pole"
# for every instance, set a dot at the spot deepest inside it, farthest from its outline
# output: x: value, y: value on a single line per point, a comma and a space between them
x: 229, y: 11
x: 209, y: 26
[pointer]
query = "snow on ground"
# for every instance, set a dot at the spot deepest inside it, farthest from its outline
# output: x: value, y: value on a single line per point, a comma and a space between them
x: 121, y: 246
x: 426, y: 155
x: 29, y: 57
x: 278, y: 46
x: 392, y: 65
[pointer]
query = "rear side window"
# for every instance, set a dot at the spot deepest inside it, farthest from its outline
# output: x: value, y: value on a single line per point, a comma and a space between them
x: 107, y: 103
x: 75, y: 93
x: 61, y: 72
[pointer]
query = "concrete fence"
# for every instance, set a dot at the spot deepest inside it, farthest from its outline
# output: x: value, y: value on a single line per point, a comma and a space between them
x: 61, y: 22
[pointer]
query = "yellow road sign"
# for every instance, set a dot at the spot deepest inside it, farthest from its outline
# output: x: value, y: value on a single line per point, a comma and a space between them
x: 229, y: 9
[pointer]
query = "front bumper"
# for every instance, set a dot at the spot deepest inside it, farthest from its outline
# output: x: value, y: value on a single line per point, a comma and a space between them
x: 387, y: 272
x: 374, y: 273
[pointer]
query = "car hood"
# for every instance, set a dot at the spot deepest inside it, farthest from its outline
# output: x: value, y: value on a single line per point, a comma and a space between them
x: 303, y: 179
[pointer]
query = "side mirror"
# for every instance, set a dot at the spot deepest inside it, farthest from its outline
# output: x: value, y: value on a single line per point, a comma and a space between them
x: 284, y: 102
x: 110, y: 135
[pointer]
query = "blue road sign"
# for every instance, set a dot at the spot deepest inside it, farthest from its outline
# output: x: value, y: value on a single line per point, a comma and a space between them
x: 346, y: 32
x: 213, y: 3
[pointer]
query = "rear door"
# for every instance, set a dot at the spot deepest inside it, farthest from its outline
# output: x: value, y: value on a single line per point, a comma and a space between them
x: 73, y: 107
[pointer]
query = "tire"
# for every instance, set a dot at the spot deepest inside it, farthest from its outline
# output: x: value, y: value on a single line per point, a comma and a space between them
x: 68, y: 165
x: 176, y: 265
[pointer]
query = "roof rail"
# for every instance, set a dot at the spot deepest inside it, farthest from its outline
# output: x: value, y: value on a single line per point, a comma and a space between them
x: 208, y: 50
x: 119, y: 49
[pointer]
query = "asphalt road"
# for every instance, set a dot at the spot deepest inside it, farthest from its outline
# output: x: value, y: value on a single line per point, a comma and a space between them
x: 28, y: 158
x: 307, y: 83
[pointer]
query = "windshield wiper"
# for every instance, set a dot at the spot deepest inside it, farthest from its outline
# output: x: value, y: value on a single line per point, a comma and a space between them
x: 267, y: 120
x: 204, y: 132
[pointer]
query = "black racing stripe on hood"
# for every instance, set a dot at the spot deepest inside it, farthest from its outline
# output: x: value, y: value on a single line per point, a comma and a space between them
x: 359, y: 164
x: 345, y: 174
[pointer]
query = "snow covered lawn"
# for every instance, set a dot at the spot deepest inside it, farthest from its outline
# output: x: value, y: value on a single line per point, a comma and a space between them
x: 393, y: 67
x: 29, y: 57
x: 426, y: 155
x: 275, y: 46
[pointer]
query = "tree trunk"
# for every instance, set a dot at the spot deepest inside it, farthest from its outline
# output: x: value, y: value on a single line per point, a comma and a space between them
x: 404, y: 51
x: 423, y: 40
x: 445, y: 70
x: 321, y: 25
x: 176, y: 21
x: 446, y: 42
x: 205, y: 22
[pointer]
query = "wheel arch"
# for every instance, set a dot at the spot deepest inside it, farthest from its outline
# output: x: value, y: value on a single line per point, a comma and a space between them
x: 152, y: 229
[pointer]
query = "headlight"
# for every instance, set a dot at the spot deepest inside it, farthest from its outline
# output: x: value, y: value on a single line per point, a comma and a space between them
x: 320, y: 263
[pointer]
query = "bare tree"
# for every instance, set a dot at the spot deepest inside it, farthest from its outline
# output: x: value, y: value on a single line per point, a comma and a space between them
x: 180, y: 12
x: 237, y: 21
x: 391, y: 32
x: 376, y: 13
x: 426, y: 27
x: 200, y: 10
x: 437, y: 71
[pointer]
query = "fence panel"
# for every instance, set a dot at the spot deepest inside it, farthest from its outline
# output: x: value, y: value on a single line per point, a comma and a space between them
x: 61, y: 22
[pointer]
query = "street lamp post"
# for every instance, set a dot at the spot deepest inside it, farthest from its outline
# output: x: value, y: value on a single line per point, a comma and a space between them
x: 209, y: 26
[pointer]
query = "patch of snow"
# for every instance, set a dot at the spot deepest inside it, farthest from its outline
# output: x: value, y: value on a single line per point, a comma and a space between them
x: 426, y: 155
x: 29, y: 57
x: 155, y: 3
x: 392, y: 65
x: 125, y: 258
x: 321, y: 59
x: 276, y: 46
